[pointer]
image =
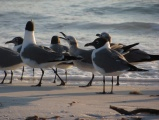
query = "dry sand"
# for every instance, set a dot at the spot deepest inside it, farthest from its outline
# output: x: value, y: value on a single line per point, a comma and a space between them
x: 19, y: 100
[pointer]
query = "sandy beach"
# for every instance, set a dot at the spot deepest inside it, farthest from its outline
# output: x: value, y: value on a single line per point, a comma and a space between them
x: 19, y: 101
x: 126, y: 21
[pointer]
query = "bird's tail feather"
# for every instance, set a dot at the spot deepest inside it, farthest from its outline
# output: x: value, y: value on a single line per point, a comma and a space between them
x: 67, y: 58
x: 126, y: 48
x: 154, y: 57
x: 133, y: 68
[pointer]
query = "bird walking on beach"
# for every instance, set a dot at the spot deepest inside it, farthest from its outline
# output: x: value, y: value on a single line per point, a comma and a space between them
x: 38, y: 57
x: 134, y: 56
x: 10, y: 60
x: 109, y: 62
x: 86, y: 63
x: 61, y: 49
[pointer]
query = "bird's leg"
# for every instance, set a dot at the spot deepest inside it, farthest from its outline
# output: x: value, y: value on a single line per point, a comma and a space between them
x: 4, y: 77
x: 33, y: 72
x: 112, y: 86
x: 103, y: 87
x: 22, y: 74
x: 66, y: 76
x: 11, y: 77
x: 90, y: 82
x: 111, y: 92
x: 117, y: 81
x: 40, y: 82
x: 62, y: 82
x: 55, y: 76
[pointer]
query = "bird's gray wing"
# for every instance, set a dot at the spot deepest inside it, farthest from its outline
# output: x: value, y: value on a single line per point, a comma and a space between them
x: 41, y: 55
x: 116, y: 45
x: 9, y: 57
x: 110, y: 61
x: 65, y: 49
x: 45, y: 48
x: 57, y: 48
x: 116, y: 55
x: 136, y: 55
x: 86, y: 55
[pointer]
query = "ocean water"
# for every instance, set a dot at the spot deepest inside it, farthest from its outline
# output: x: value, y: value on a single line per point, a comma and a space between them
x: 127, y: 21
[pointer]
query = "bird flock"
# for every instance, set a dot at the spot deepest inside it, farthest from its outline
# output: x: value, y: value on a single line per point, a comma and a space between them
x: 107, y: 58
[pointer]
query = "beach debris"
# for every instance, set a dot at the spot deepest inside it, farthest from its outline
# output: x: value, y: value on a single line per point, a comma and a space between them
x: 131, y: 118
x: 135, y: 93
x: 154, y: 95
x: 35, y: 117
x: 73, y: 102
x: 72, y: 116
x: 124, y: 119
x: 136, y: 111
x: 85, y: 118
x: 57, y: 117
x: 63, y: 111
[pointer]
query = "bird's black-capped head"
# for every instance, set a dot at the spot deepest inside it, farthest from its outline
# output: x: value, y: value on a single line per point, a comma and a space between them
x: 97, y: 43
x: 55, y: 40
x: 105, y: 35
x: 16, y: 41
x: 30, y: 26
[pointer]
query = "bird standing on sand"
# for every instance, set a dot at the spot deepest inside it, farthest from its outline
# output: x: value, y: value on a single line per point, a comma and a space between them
x: 38, y: 57
x: 109, y: 62
x: 134, y: 56
x: 10, y: 60
x: 17, y: 41
x: 61, y: 49
x: 86, y: 63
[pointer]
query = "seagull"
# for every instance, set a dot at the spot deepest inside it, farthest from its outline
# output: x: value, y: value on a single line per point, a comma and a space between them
x: 134, y: 56
x: 38, y: 57
x: 109, y: 62
x: 17, y: 41
x: 56, y: 45
x: 86, y: 63
x: 61, y: 49
x: 10, y: 60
